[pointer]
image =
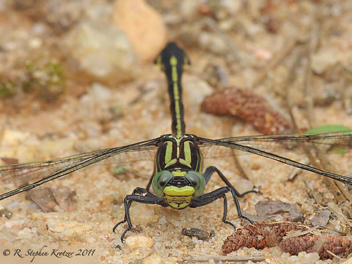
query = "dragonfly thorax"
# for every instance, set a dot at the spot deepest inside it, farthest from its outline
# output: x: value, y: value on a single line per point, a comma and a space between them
x: 178, y: 165
x: 178, y: 154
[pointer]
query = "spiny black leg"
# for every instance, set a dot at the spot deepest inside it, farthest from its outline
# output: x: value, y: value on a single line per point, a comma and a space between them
x: 225, y: 214
x: 208, y: 198
x: 138, y: 195
x: 138, y: 191
x: 220, y: 193
x: 233, y: 191
x: 239, y: 212
x: 127, y: 205
x: 209, y: 172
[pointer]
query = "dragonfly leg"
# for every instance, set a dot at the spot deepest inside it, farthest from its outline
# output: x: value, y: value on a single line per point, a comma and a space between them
x: 214, y: 195
x: 139, y: 195
x: 207, y: 175
x: 225, y: 214
x: 210, y: 171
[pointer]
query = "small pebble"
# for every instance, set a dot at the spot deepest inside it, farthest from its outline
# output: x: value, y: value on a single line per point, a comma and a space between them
x: 67, y: 228
x: 152, y: 259
x: 323, y: 61
x: 138, y: 241
x: 103, y: 51
x: 196, y: 232
x: 308, y: 258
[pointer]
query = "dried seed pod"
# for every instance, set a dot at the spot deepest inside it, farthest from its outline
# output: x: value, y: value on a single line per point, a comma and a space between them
x: 340, y: 246
x: 261, y: 235
x: 248, y: 106
x: 258, y: 235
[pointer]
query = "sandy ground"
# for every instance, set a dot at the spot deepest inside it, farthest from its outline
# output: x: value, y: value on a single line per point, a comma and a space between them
x: 103, y: 117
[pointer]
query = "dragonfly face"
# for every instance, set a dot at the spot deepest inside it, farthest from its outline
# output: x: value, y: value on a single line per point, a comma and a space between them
x: 178, y: 166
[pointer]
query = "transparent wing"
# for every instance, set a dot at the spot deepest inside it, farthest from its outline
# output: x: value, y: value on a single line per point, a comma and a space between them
x: 269, y: 146
x: 37, y: 173
x: 339, y: 141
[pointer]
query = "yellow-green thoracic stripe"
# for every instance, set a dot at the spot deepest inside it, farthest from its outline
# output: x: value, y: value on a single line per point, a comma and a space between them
x: 178, y: 153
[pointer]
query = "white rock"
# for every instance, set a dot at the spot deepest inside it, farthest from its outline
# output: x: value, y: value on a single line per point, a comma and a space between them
x: 209, y: 42
x: 323, y: 61
x: 138, y: 241
x: 14, y: 137
x: 308, y: 258
x: 100, y: 92
x: 244, y: 185
x: 102, y: 51
x: 152, y: 259
x: 67, y: 228
x: 292, y: 260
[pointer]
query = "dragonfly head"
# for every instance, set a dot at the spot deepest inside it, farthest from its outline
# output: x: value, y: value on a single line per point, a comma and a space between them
x: 178, y: 187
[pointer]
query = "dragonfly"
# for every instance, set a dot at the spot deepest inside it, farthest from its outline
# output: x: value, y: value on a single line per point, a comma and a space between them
x: 178, y: 179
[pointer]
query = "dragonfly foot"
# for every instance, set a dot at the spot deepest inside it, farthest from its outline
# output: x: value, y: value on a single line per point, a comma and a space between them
x: 249, y: 220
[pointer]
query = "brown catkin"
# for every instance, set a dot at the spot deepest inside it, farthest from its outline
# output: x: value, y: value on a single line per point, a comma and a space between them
x: 261, y: 235
x: 248, y: 106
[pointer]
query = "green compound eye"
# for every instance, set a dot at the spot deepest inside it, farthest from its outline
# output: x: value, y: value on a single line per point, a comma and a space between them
x: 197, y: 180
x: 160, y: 180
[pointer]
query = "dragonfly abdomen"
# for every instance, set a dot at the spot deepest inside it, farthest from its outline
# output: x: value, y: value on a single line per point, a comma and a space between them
x: 173, y: 60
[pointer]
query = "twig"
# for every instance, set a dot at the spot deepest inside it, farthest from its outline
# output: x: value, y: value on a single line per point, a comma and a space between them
x: 295, y: 171
x: 239, y: 167
x: 254, y: 258
x: 290, y: 79
x: 307, y: 84
x: 307, y: 87
x: 228, y: 132
x: 315, y: 33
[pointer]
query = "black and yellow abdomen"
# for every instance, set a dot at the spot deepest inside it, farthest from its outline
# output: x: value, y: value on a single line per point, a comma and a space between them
x: 173, y: 60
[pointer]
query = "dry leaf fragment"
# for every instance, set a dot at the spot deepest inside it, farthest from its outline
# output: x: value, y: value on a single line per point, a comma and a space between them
x: 321, y: 219
x: 268, y: 208
x: 47, y: 199
x: 64, y: 198
x: 43, y: 198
